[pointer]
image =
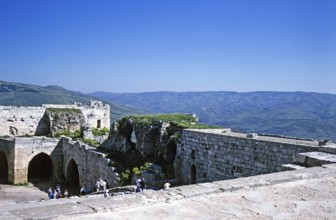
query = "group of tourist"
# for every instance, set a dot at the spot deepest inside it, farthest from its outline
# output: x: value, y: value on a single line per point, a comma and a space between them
x: 100, y: 186
x: 56, y: 193
x: 140, y: 184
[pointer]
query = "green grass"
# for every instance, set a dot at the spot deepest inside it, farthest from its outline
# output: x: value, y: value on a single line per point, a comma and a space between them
x: 74, y: 135
x: 91, y: 142
x: 177, y: 119
x: 61, y: 110
x: 100, y: 132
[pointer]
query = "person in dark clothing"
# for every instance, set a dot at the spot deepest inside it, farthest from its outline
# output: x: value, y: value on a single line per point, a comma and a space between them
x: 142, y: 184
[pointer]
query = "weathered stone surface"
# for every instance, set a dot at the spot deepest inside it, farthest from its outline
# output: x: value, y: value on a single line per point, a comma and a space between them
x: 88, y: 207
x: 34, y: 121
x: 91, y: 165
x: 311, y: 159
x: 215, y: 154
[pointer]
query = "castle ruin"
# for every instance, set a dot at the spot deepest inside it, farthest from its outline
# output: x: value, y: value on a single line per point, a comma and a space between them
x: 48, y: 118
x: 202, y: 155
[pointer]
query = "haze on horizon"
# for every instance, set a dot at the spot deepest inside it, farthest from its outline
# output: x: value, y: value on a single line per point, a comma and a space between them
x: 175, y: 45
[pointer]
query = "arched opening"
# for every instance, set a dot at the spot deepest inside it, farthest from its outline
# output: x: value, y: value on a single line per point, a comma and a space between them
x: 40, y: 168
x: 171, y: 151
x: 193, y: 174
x: 71, y: 174
x: 3, y: 168
x: 150, y: 140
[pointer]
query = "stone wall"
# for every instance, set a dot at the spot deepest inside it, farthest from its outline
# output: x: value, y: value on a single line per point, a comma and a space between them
x: 26, y: 148
x: 65, y: 120
x: 209, y: 155
x: 21, y: 121
x: 34, y: 121
x: 92, y: 165
x: 97, y: 115
x: 6, y: 147
x: 154, y: 140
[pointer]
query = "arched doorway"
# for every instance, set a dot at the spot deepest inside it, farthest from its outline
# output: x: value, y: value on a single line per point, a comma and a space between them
x: 71, y: 174
x: 3, y: 168
x: 193, y: 174
x: 40, y: 168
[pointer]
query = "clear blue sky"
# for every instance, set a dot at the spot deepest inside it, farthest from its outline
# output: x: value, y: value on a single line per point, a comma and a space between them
x: 170, y: 45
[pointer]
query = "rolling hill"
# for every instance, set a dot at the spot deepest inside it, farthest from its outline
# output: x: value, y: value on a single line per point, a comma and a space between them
x: 296, y: 114
x: 18, y: 94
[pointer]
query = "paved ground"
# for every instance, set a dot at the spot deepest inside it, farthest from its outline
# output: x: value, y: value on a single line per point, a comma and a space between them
x: 302, y: 194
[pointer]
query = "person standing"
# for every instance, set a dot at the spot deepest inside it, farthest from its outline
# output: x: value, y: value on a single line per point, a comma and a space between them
x: 66, y: 193
x: 137, y: 183
x: 142, y: 184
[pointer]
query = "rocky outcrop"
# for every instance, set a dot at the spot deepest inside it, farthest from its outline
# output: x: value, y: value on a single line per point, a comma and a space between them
x: 65, y: 120
x: 156, y: 140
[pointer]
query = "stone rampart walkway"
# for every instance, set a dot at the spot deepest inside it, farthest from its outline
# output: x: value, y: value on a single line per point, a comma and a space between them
x: 303, y: 194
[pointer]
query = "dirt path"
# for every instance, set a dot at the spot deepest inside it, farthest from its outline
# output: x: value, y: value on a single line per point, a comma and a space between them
x: 35, y: 191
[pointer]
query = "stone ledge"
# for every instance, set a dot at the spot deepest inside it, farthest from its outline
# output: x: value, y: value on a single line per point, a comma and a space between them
x: 66, y: 208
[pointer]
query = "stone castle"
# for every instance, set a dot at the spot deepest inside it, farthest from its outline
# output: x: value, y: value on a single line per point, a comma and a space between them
x: 25, y: 149
x: 200, y: 156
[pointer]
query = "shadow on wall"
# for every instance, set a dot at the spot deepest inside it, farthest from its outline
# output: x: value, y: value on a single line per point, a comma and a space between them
x: 3, y: 168
x: 43, y: 126
x: 40, y: 167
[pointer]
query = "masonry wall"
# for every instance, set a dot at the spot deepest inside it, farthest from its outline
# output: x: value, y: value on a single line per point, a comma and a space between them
x: 206, y: 156
x: 7, y: 146
x: 93, y: 113
x: 92, y: 165
x: 25, y: 149
x: 97, y: 115
x: 20, y: 121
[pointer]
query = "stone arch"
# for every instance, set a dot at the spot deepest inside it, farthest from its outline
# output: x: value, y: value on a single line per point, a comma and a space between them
x: 193, y: 174
x: 40, y: 167
x: 72, y: 173
x: 3, y: 167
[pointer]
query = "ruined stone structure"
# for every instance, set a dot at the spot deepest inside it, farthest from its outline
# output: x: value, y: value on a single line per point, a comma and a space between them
x: 219, y: 154
x: 23, y: 158
x: 21, y: 121
x: 151, y: 140
x: 198, y: 156
x: 38, y: 121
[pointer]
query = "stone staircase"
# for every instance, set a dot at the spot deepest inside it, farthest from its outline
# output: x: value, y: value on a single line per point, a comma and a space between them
x: 326, y: 154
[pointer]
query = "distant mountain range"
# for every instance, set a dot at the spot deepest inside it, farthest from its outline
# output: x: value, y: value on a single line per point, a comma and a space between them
x: 18, y: 94
x: 296, y: 114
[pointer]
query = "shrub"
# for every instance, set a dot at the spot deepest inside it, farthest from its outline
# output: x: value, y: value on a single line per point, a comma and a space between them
x: 100, y: 132
x: 124, y: 177
x: 74, y: 135
x: 91, y: 142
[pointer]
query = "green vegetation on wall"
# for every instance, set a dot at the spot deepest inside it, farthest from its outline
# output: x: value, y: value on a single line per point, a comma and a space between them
x: 100, y: 132
x: 77, y: 135
x: 64, y: 110
x: 177, y: 119
x: 125, y: 177
x: 73, y: 135
x: 91, y: 142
